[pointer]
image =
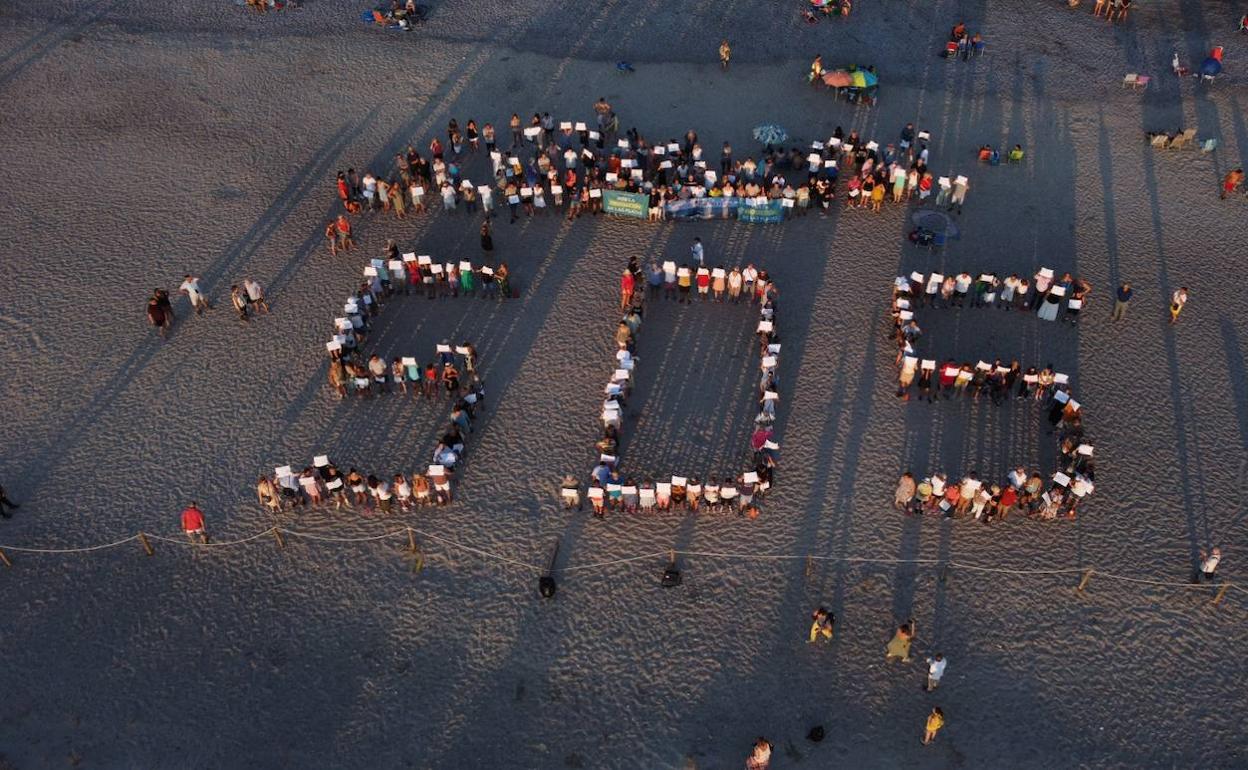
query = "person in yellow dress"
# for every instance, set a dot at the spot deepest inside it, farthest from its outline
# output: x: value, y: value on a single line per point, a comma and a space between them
x: 935, y: 721
x: 725, y: 54
x: 822, y: 623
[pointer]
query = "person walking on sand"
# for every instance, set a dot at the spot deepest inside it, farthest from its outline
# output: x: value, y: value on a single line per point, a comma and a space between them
x: 935, y: 670
x: 760, y: 755
x: 935, y: 721
x: 1177, y: 301
x: 725, y: 54
x: 821, y: 625
x: 156, y: 317
x: 1121, y: 300
x: 190, y: 287
x: 905, y: 491
x: 239, y: 300
x: 193, y: 523
x: 1231, y: 182
x: 899, y: 646
x: 255, y: 295
x: 698, y: 253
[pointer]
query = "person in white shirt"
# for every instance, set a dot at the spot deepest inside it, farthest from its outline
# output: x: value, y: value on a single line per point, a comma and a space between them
x: 1209, y: 564
x: 190, y: 287
x: 935, y: 670
x: 961, y: 287
x: 255, y: 293
x: 697, y: 252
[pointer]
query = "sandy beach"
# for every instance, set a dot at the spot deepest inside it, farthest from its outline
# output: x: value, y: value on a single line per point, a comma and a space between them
x: 144, y: 142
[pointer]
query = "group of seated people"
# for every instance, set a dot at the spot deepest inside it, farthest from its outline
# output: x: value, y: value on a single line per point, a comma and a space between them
x: 1022, y: 492
x: 610, y: 489
x: 993, y: 158
x: 964, y: 45
x: 400, y: 15
x: 322, y: 482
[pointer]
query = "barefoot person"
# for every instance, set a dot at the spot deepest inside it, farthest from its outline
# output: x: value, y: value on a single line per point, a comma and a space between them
x: 935, y: 721
x: 193, y: 524
x: 899, y: 646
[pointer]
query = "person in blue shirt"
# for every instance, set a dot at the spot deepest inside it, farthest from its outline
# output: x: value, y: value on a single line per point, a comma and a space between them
x: 1121, y: 300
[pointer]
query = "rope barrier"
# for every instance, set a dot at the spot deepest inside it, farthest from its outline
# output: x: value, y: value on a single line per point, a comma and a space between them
x: 410, y: 531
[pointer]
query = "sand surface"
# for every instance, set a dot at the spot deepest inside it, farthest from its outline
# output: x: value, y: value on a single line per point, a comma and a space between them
x: 143, y: 141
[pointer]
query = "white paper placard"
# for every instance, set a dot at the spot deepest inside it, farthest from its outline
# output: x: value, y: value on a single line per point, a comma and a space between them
x: 906, y: 315
x: 960, y: 180
x: 1061, y: 479
x: 764, y: 326
x: 465, y: 265
x: 444, y: 348
x: 282, y: 471
x: 660, y: 150
x: 665, y: 164
x: 513, y: 199
x: 556, y: 189
x: 424, y: 259
x: 320, y: 461
x: 786, y: 203
x: 485, y: 270
x: 620, y: 374
x: 526, y: 192
x: 396, y: 265
x: 462, y: 350
x: 1046, y: 272
x: 872, y: 146
x: 435, y: 269
x: 622, y: 144
x: 565, y: 125
x: 944, y: 181
x: 634, y: 173
x: 1058, y: 291
x: 595, y: 493
x: 465, y: 185
x: 773, y: 347
x: 718, y: 272
x: 436, y: 470
x: 929, y: 363
x: 1061, y: 379
x: 580, y: 126
x: 595, y: 193
x: 750, y: 477
x: 532, y: 131
x: 673, y: 147
x: 333, y: 346
x: 771, y: 395
x: 770, y: 445
x: 769, y: 362
x: 924, y: 136
x: 370, y: 271
x: 409, y: 256
x: 1075, y: 304
x: 408, y: 361
x: 829, y: 164
x: 679, y: 481
x: 1061, y: 397
x: 611, y: 176
x: 483, y: 189
x: 983, y: 366
x: 594, y: 135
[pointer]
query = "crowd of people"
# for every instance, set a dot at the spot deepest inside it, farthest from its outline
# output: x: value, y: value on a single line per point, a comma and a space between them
x: 609, y: 488
x: 322, y: 483
x: 452, y: 372
x: 1028, y: 493
x: 384, y: 280
x: 544, y: 165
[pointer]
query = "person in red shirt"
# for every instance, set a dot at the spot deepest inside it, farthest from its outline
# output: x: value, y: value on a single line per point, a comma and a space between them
x: 343, y: 192
x: 627, y: 284
x: 342, y: 227
x: 193, y: 524
x: 1009, y: 497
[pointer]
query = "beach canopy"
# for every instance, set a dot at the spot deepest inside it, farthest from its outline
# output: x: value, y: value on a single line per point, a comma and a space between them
x: 770, y: 133
x: 837, y: 79
x: 863, y: 79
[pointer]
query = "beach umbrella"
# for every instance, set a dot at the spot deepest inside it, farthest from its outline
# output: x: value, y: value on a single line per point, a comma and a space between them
x: 837, y: 79
x: 863, y: 79
x: 820, y: 3
x: 770, y: 133
x: 1210, y: 67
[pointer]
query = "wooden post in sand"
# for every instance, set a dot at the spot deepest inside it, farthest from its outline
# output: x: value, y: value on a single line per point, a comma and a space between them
x: 810, y: 566
x: 1087, y: 575
x: 411, y: 540
x: 277, y: 535
x: 4, y: 558
x: 146, y: 545
x: 1216, y: 600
